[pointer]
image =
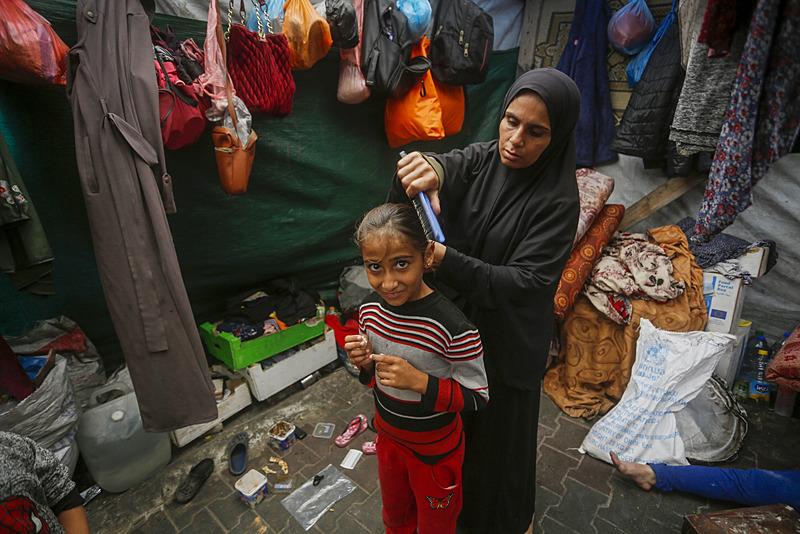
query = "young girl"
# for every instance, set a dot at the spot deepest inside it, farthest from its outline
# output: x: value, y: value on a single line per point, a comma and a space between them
x: 424, y: 361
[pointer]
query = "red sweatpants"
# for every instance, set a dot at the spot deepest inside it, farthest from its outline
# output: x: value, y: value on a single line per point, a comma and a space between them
x: 418, y: 497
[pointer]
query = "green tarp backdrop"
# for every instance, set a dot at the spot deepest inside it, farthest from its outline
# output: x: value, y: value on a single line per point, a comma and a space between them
x: 316, y: 171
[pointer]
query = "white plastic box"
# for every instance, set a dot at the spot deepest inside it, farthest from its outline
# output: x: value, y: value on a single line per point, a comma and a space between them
x: 731, y: 361
x: 238, y: 400
x: 270, y: 380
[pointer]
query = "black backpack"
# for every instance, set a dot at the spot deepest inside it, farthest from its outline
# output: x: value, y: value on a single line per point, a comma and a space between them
x: 342, y: 19
x: 462, y: 42
x: 386, y: 50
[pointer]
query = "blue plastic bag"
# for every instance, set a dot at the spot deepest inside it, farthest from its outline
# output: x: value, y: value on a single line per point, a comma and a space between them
x: 271, y: 15
x: 637, y: 65
x: 631, y: 28
x: 419, y: 15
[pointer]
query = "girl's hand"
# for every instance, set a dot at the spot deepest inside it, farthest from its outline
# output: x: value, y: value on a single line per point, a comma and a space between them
x: 359, y: 351
x: 398, y: 373
x: 416, y: 175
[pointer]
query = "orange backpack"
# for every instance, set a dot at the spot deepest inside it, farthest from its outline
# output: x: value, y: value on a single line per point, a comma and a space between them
x: 430, y: 110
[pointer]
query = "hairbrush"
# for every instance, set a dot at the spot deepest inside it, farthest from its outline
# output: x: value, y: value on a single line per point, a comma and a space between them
x: 427, y: 217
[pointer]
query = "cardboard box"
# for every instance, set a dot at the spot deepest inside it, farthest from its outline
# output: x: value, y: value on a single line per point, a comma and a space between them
x: 724, y: 299
x: 238, y: 400
x: 730, y: 362
x: 754, y: 261
x: 267, y: 381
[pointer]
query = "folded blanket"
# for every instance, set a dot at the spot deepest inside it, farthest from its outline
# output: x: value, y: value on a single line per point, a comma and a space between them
x: 597, y: 354
x: 583, y: 257
x: 594, y: 189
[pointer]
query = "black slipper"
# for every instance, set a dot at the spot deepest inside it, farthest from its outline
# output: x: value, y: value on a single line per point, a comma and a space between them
x: 237, y: 453
x: 192, y: 483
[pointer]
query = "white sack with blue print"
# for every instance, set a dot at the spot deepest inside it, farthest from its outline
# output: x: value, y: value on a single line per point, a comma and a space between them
x: 670, y: 370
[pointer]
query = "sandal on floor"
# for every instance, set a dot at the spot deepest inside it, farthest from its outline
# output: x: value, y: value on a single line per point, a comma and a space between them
x: 354, y: 428
x: 369, y: 447
x: 237, y: 453
x: 192, y: 483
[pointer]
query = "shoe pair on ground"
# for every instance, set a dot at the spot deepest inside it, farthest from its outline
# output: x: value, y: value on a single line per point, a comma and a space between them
x: 355, y: 427
x: 237, y: 463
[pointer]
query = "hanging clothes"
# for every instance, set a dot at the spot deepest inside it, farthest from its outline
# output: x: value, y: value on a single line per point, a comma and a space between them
x: 689, y: 17
x: 584, y: 60
x: 762, y: 120
x: 704, y: 97
x: 113, y: 93
x: 721, y: 19
x: 25, y: 253
x: 644, y: 130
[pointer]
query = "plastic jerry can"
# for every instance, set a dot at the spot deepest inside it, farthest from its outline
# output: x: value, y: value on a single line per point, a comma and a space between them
x: 114, y: 445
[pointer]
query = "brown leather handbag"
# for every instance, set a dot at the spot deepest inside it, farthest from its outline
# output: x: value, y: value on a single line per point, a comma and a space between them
x: 234, y: 161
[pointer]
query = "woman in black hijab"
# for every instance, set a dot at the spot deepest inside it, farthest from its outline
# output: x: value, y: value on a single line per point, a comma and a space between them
x: 509, y: 211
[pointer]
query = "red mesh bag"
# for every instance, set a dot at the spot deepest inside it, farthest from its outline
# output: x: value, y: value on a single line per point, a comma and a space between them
x: 260, y: 69
x: 30, y: 51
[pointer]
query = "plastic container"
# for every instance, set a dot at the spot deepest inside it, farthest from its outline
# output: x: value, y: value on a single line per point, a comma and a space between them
x: 118, y: 452
x: 759, y: 387
x: 238, y: 354
x: 282, y: 435
x: 784, y: 402
x: 252, y: 487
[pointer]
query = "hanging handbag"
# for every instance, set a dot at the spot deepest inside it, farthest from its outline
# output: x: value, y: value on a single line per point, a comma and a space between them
x: 386, y: 49
x: 234, y: 161
x: 259, y: 66
x: 462, y: 42
x: 182, y: 121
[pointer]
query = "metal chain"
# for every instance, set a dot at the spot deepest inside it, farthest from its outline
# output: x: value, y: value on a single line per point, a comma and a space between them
x: 259, y: 13
x: 230, y: 18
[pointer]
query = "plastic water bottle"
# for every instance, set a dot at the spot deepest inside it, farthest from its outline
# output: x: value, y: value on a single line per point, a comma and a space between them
x: 750, y: 363
x: 780, y: 343
x: 759, y: 387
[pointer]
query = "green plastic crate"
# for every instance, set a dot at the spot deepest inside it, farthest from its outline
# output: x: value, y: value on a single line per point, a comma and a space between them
x: 238, y: 354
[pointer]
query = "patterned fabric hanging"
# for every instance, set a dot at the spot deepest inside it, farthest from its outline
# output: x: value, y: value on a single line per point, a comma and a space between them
x: 763, y: 117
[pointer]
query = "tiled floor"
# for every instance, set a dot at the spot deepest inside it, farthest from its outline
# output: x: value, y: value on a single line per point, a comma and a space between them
x: 575, y: 494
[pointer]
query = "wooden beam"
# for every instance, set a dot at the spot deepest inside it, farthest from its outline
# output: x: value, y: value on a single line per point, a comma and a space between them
x: 659, y: 197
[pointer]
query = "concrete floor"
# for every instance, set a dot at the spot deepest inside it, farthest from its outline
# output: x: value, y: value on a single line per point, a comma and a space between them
x: 575, y: 494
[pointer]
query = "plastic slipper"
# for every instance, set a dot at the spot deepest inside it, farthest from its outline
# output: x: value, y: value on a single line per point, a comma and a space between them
x: 354, y: 428
x: 192, y: 483
x: 369, y: 447
x: 237, y: 453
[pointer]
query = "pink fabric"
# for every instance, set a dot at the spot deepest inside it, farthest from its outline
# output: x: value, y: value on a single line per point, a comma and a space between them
x: 594, y: 189
x: 212, y: 81
x: 784, y: 369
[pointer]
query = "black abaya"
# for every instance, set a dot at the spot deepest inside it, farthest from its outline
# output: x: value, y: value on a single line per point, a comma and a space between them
x: 509, y: 233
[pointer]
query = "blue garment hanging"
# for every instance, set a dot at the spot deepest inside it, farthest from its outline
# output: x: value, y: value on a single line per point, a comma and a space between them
x: 637, y: 65
x: 584, y: 60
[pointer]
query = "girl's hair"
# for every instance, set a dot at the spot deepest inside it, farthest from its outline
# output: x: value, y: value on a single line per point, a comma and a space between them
x: 399, y: 219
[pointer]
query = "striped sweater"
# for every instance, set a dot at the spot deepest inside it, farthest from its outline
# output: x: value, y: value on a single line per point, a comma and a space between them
x: 436, y: 338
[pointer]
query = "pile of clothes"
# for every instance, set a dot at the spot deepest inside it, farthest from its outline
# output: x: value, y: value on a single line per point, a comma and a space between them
x: 277, y: 306
x: 630, y: 267
x: 597, y: 353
